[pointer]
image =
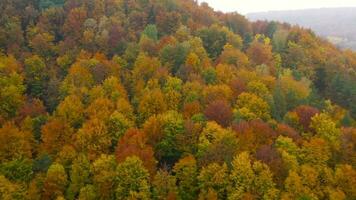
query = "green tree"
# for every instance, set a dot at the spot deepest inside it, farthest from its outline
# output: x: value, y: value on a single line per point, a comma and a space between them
x: 164, y: 186
x: 79, y: 176
x: 151, y: 32
x: 36, y: 76
x: 186, y: 173
x: 214, y: 177
x: 250, y: 106
x: 104, y: 176
x: 132, y: 180
x: 325, y: 128
x: 55, y: 182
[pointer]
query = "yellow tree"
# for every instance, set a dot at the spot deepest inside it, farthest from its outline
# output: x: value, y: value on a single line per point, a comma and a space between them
x: 54, y: 135
x: 152, y: 103
x: 55, y: 182
x: 249, y: 179
x: 93, y: 138
x: 213, y: 178
x: 250, y: 106
x: 132, y: 180
x: 186, y: 173
x: 14, y: 143
x: 71, y: 110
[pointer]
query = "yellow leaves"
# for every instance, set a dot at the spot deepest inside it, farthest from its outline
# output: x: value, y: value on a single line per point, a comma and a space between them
x: 211, y: 134
x: 217, y: 92
x: 93, y: 138
x: 100, y: 108
x: 249, y: 106
x: 132, y: 180
x: 300, y: 88
x: 213, y: 178
x: 345, y: 178
x: 250, y: 179
x: 326, y: 128
x: 152, y: 103
x: 55, y: 182
x: 145, y: 67
x: 193, y: 61
x: 54, y: 135
x: 233, y: 56
x: 9, y: 190
x: 71, y: 110
x: 225, y: 73
x: 113, y: 88
x: 316, y: 152
x: 9, y: 65
x: 78, y: 77
x: 14, y: 143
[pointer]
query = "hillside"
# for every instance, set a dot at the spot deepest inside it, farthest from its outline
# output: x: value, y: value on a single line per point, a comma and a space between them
x: 335, y: 24
x: 168, y: 99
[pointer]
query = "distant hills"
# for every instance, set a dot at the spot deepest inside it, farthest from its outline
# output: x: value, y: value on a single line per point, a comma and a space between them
x: 338, y: 25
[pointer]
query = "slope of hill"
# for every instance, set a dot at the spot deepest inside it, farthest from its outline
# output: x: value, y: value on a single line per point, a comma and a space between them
x: 167, y: 99
x: 336, y: 24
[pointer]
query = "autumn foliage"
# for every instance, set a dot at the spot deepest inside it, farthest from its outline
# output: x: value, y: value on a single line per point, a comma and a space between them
x: 169, y: 99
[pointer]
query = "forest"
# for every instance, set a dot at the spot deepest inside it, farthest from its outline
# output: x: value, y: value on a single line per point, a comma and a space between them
x: 170, y: 100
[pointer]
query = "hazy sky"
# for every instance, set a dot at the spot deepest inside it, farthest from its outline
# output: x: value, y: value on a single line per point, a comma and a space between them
x: 247, y: 6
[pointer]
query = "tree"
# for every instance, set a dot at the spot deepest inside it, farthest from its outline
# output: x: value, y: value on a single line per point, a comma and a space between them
x: 220, y: 112
x: 79, y: 176
x: 168, y: 22
x: 104, y: 176
x: 71, y: 110
x: 14, y: 143
x: 54, y: 135
x: 211, y: 134
x: 9, y: 190
x: 151, y: 32
x: 250, y: 106
x: 325, y: 128
x: 11, y: 95
x: 164, y: 133
x: 233, y: 56
x: 345, y: 179
x: 316, y: 152
x: 36, y: 76
x: 134, y: 143
x: 250, y: 179
x: 132, y: 180
x: 152, y: 103
x: 217, y: 92
x: 118, y: 124
x: 260, y: 51
x: 93, y: 138
x: 100, y: 108
x: 186, y: 174
x: 213, y: 177
x: 19, y: 170
x: 87, y: 193
x: 55, y: 182
x: 305, y: 114
x: 214, y: 40
x: 164, y: 186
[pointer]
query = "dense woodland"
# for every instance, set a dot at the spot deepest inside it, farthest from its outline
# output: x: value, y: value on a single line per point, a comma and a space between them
x: 168, y: 99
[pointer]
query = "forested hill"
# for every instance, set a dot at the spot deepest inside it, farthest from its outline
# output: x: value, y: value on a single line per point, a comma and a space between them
x: 336, y: 24
x: 168, y: 99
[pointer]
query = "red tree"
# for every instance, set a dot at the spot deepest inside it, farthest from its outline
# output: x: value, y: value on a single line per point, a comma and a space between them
x: 219, y: 111
x: 134, y: 142
x: 305, y: 113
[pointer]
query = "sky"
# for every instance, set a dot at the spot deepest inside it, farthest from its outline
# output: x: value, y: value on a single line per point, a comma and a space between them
x: 248, y: 6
